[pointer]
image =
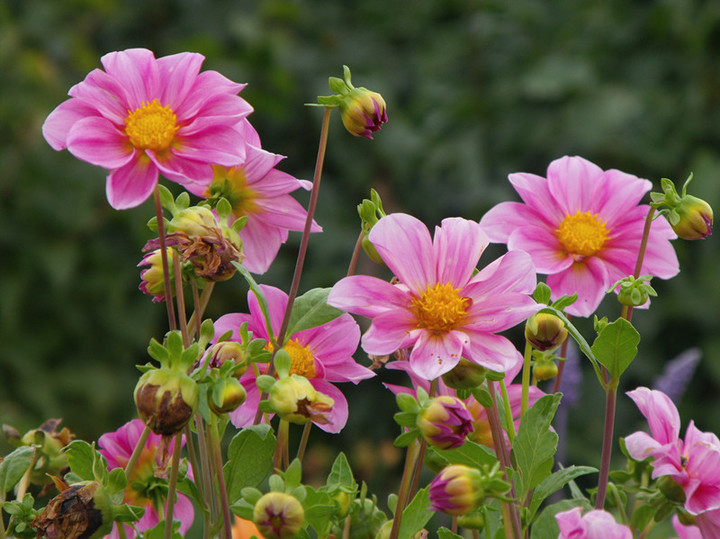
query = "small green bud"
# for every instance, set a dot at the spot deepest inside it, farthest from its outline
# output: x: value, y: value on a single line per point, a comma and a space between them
x: 278, y: 515
x: 226, y: 395
x: 230, y: 351
x: 634, y: 292
x: 545, y: 369
x: 465, y: 375
x: 166, y: 400
x: 545, y: 331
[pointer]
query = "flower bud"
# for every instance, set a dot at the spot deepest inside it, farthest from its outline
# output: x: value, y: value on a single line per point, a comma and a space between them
x: 278, y: 515
x: 226, y: 395
x: 465, y: 375
x: 545, y: 331
x: 386, y: 530
x: 363, y: 112
x: 695, y: 218
x: 295, y: 400
x: 166, y: 400
x: 445, y: 422
x: 50, y: 457
x: 153, y: 283
x: 456, y: 490
x: 80, y: 511
x: 195, y: 221
x: 545, y: 369
x: 230, y: 351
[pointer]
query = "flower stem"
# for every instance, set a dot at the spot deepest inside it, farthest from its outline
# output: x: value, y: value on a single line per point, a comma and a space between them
x: 561, y: 364
x: 610, y: 399
x: 304, y: 441
x: 356, y: 254
x: 139, y: 446
x: 200, y: 306
x: 641, y: 252
x: 172, y: 487
x: 525, y: 378
x: 509, y: 425
x: 411, y: 456
x: 180, y: 297
x: 217, y: 460
x: 282, y: 443
x: 163, y: 255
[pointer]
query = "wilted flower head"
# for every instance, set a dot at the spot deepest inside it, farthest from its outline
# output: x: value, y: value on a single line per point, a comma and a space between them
x: 81, y: 511
x: 142, y: 116
x: 278, y: 515
x: 583, y: 227
x: 440, y: 309
x: 456, y: 490
x: 597, y: 524
x: 445, y: 422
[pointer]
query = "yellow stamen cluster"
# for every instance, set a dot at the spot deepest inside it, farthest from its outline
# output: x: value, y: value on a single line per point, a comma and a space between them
x: 440, y: 308
x: 231, y: 184
x: 582, y: 234
x: 151, y: 127
x: 302, y: 361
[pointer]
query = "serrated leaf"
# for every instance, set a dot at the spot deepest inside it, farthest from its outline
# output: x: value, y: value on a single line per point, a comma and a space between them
x: 249, y: 459
x: 341, y: 475
x: 311, y: 310
x: 535, y: 444
x: 13, y: 467
x: 416, y: 515
x: 554, y: 483
x: 616, y: 346
x: 469, y: 454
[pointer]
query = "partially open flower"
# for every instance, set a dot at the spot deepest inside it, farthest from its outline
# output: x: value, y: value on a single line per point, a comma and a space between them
x: 153, y: 283
x: 80, y: 511
x: 278, y: 515
x: 295, y: 400
x: 445, y: 422
x: 456, y: 490
x: 166, y: 400
x: 696, y: 219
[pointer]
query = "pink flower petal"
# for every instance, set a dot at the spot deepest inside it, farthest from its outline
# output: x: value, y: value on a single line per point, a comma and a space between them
x: 97, y: 141
x: 660, y: 412
x: 405, y: 245
x: 589, y: 279
x: 458, y: 244
x: 621, y: 193
x: 390, y: 331
x: 131, y: 185
x: 573, y: 183
x: 261, y: 244
x: 501, y: 220
x: 367, y: 296
x: 548, y: 254
x: 640, y: 445
x: 339, y: 415
x: 535, y: 193
x: 434, y: 355
x: 492, y: 351
x: 138, y: 71
x: 179, y: 72
x: 333, y: 342
x: 58, y: 124
x: 219, y: 145
x: 105, y: 95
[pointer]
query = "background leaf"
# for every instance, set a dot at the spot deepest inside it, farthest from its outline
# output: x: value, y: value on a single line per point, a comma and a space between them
x: 311, y: 310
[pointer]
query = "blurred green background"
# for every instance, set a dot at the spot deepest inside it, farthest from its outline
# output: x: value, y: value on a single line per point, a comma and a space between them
x: 475, y: 90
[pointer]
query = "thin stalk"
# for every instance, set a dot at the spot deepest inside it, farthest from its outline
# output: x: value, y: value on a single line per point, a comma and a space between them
x: 346, y: 527
x: 163, y: 255
x: 139, y: 446
x: 509, y: 425
x: 172, y: 487
x: 411, y: 456
x: 304, y: 441
x: 525, y: 378
x: 121, y: 530
x: 282, y: 443
x: 355, y: 254
x: 561, y: 364
x: 200, y: 306
x: 217, y: 460
x: 180, y: 298
x: 302, y: 251
x: 25, y: 481
x: 205, y: 458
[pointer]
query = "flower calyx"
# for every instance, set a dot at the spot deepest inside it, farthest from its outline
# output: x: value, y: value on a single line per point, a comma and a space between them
x: 371, y: 211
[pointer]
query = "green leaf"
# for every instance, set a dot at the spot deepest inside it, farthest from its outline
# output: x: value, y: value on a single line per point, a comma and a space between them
x: 616, y: 346
x: 535, y: 444
x: 416, y: 515
x: 127, y: 513
x: 81, y: 459
x: 469, y: 454
x: 311, y: 310
x: 554, y: 483
x: 341, y: 475
x: 117, y: 481
x: 406, y: 438
x: 249, y: 459
x: 444, y: 533
x: 262, y: 301
x: 542, y: 293
x: 319, y: 511
x: 14, y: 467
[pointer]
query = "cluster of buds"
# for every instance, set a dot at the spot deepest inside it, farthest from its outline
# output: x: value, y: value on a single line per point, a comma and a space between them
x: 690, y: 217
x: 458, y: 489
x: 634, y: 292
x: 362, y: 111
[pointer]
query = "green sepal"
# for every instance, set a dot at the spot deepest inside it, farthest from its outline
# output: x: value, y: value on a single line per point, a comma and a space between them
x: 282, y: 363
x: 406, y: 438
x: 405, y: 419
x: 542, y: 293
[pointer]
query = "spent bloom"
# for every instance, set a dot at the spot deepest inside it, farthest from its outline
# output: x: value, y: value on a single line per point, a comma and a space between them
x: 143, y: 116
x: 117, y: 447
x: 440, y: 309
x: 321, y: 354
x: 693, y: 463
x: 257, y: 190
x: 597, y: 524
x: 583, y: 227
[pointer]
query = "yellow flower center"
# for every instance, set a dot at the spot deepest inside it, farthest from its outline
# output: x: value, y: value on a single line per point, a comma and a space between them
x: 151, y: 127
x: 582, y: 234
x: 302, y: 361
x: 440, y: 308
x: 231, y: 184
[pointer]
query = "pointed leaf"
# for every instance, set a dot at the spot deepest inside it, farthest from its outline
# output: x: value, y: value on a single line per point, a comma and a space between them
x: 616, y: 346
x: 469, y: 454
x: 13, y: 467
x: 311, y: 310
x: 341, y: 475
x: 249, y: 459
x: 81, y: 459
x: 554, y: 483
x: 416, y: 515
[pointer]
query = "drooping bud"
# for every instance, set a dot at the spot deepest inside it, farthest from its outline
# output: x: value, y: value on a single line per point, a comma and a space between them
x: 165, y: 400
x: 295, y: 400
x: 465, y: 375
x: 363, y: 112
x: 456, y: 490
x: 445, y: 422
x: 278, y: 515
x: 545, y: 331
x: 50, y: 457
x: 225, y: 395
x: 225, y: 351
x: 545, y: 368
x: 80, y: 511
x: 690, y: 217
x: 153, y: 283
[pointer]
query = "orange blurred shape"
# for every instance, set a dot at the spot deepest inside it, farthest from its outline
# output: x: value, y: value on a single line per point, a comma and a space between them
x: 245, y: 529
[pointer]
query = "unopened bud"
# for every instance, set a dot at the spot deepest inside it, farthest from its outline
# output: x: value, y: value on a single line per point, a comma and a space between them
x: 295, y: 400
x: 195, y: 221
x: 545, y: 369
x: 695, y: 218
x: 80, y: 511
x: 465, y: 375
x: 278, y: 515
x: 671, y: 489
x: 166, y: 400
x: 456, y: 490
x: 226, y: 395
x: 545, y: 331
x: 153, y: 282
x: 445, y: 422
x: 225, y: 351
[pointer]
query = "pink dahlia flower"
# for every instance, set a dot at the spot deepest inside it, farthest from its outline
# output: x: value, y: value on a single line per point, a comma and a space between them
x: 117, y: 447
x: 257, y: 190
x: 686, y: 532
x: 693, y: 463
x: 583, y: 227
x: 440, y: 309
x: 322, y: 354
x: 143, y: 116
x: 597, y: 524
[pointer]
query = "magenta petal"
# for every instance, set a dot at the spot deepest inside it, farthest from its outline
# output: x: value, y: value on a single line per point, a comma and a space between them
x: 458, y: 245
x: 573, y: 183
x: 492, y: 351
x: 98, y: 142
x: 405, y: 245
x: 218, y: 146
x: 339, y: 415
x: 389, y: 331
x: 181, y: 170
x: 640, y: 445
x: 622, y: 192
x: 434, y: 355
x: 178, y: 72
x: 138, y: 71
x: 535, y: 192
x: 276, y: 303
x: 131, y: 185
x: 660, y: 412
x: 589, y: 279
x: 261, y: 244
x: 501, y: 220
x: 333, y: 342
x: 244, y: 415
x: 58, y: 124
x: 547, y: 254
x: 230, y: 322
x: 367, y: 296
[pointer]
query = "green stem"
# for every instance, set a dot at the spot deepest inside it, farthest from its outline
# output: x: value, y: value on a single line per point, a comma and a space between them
x: 282, y: 444
x: 217, y: 460
x: 356, y: 254
x: 509, y: 425
x: 121, y: 530
x: 180, y: 297
x: 304, y: 441
x: 172, y: 487
x: 413, y: 451
x: 163, y: 256
x: 561, y: 364
x: 610, y: 399
x: 200, y: 306
x: 139, y: 446
x: 525, y: 379
x: 25, y: 481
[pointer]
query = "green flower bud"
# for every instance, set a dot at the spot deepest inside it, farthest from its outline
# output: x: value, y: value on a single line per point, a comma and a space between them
x: 545, y: 331
x: 166, y: 400
x: 278, y: 515
x: 695, y: 219
x: 226, y: 395
x: 545, y: 369
x: 295, y: 400
x: 230, y: 351
x: 82, y: 511
x: 195, y: 221
x: 465, y: 375
x: 51, y: 459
